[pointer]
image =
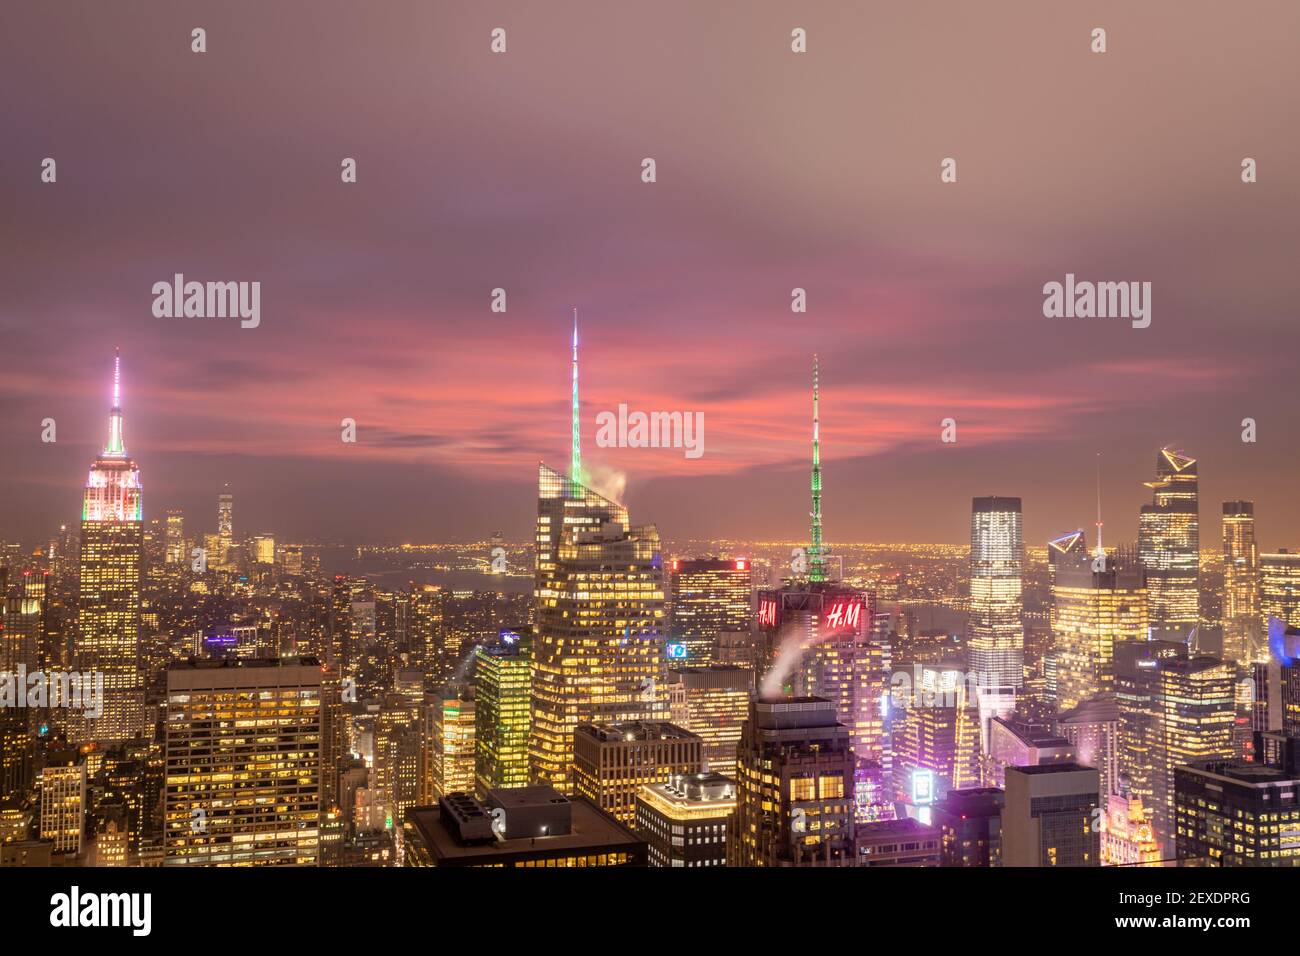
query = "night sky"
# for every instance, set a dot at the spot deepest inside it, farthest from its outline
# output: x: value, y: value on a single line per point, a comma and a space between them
x: 775, y: 170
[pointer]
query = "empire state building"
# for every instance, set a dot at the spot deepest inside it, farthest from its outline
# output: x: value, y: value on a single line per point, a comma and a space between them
x: 108, y: 618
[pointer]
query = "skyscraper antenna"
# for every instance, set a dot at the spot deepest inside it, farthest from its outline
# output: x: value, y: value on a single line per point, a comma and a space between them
x: 575, y: 465
x: 117, y: 378
x: 816, y: 565
x: 1100, y: 550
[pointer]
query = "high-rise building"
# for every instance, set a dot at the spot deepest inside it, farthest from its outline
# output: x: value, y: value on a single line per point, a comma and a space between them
x: 451, y: 742
x: 613, y: 761
x: 175, y: 537
x: 905, y: 841
x: 1279, y: 587
x: 63, y: 801
x: 822, y: 639
x: 794, y: 787
x: 1230, y: 813
x: 1092, y: 728
x: 1169, y: 547
x: 1241, y: 621
x: 598, y: 652
x: 995, y: 636
x: 1093, y: 611
x: 243, y: 762
x: 715, y: 703
x: 225, y: 526
x: 503, y: 683
x: 1066, y: 550
x: 970, y: 825
x: 1049, y: 814
x: 1015, y: 743
x: 1137, y: 691
x: 1127, y: 836
x: 936, y: 732
x: 112, y: 556
x: 520, y: 827
x: 707, y: 597
x: 1195, y: 706
x: 684, y: 820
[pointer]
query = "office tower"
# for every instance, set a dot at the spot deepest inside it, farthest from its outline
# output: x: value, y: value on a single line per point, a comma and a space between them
x: 292, y: 559
x: 1127, y: 836
x: 1048, y: 816
x: 1279, y: 587
x: 1241, y: 814
x: 503, y: 683
x: 794, y: 787
x: 1137, y: 691
x: 261, y: 549
x: 1195, y: 708
x: 821, y: 635
x: 1014, y: 743
x: 400, y: 743
x: 1092, y: 728
x: 539, y: 827
x: 426, y: 623
x: 1283, y: 676
x: 333, y: 737
x: 112, y: 836
x: 1241, y: 621
x: 715, y: 704
x: 451, y: 742
x: 1092, y: 612
x: 1067, y: 550
x: 1169, y: 547
x: 995, y: 638
x: 599, y: 589
x: 63, y: 801
x: 15, y: 751
x: 175, y: 537
x: 936, y: 732
x: 235, y: 797
x: 684, y: 820
x: 613, y: 761
x: 902, y: 842
x: 112, y: 554
x: 970, y: 826
x: 707, y: 596
x: 225, y: 526
x: 22, y: 623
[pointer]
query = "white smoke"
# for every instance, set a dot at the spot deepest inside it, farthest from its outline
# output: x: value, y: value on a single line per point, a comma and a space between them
x: 794, y: 641
x: 605, y: 481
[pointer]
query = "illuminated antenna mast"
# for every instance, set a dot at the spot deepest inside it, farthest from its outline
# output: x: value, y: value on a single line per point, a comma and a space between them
x: 1101, y: 552
x: 115, y: 445
x: 575, y: 466
x: 816, y: 564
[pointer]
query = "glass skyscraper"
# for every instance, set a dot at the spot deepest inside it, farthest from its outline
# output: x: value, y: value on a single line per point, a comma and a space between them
x: 1169, y: 547
x: 995, y: 637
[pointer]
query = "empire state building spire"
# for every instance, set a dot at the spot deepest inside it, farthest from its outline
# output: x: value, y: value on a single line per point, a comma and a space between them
x: 816, y: 561
x: 116, y: 446
x: 575, y: 466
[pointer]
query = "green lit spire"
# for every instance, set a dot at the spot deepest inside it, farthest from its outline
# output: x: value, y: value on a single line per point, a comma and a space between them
x: 816, y: 562
x: 575, y: 467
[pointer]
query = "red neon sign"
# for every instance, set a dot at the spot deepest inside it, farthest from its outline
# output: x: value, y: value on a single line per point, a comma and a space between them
x: 844, y: 614
x: 767, y: 613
